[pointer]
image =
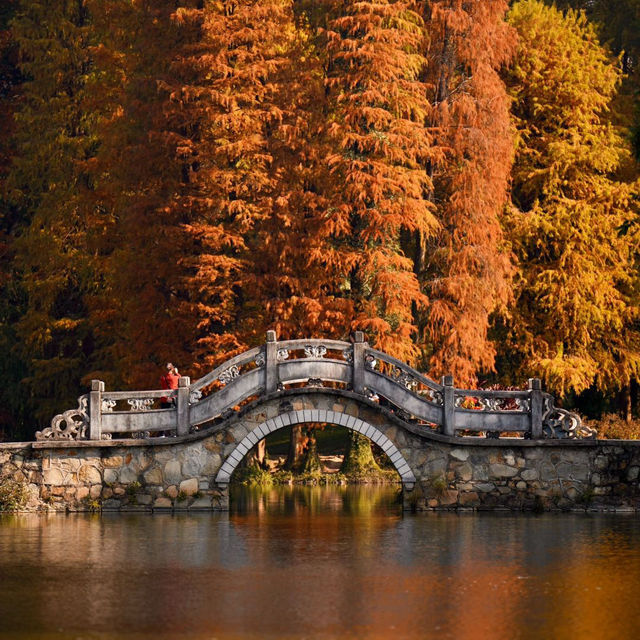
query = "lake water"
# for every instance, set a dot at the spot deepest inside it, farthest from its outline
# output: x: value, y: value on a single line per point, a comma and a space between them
x: 319, y: 563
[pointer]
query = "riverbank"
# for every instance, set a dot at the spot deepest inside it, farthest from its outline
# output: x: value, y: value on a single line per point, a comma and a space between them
x: 329, y: 474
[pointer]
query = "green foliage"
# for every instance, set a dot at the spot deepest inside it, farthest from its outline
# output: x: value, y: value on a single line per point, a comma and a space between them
x: 13, y: 494
x: 253, y: 476
x: 586, y: 497
x: 94, y: 505
x: 358, y: 458
x: 437, y: 485
x: 133, y: 488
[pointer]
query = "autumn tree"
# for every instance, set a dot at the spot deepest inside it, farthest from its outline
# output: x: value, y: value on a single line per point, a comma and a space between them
x: 53, y: 133
x: 575, y: 312
x: 137, y: 174
x: 377, y: 108
x: 296, y: 278
x: 208, y: 185
x: 618, y: 25
x: 464, y: 267
x: 14, y: 412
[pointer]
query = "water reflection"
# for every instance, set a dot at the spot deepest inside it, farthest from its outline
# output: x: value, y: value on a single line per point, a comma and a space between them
x: 319, y: 563
x: 361, y: 500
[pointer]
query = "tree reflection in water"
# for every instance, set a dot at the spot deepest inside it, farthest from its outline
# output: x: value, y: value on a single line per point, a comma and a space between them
x: 355, y: 500
x: 332, y: 562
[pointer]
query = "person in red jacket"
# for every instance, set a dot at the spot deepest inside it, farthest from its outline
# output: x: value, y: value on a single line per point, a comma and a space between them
x: 169, y: 381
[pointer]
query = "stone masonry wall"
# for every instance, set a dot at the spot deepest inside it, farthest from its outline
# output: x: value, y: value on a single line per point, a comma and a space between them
x: 129, y: 478
x: 179, y: 474
x: 601, y: 477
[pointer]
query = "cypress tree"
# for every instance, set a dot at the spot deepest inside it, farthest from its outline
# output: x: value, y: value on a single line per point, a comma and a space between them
x: 574, y: 322
x: 53, y: 135
x: 377, y: 107
x: 464, y: 267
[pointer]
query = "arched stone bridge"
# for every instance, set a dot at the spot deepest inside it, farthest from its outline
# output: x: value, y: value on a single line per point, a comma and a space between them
x: 428, y: 429
x: 353, y: 367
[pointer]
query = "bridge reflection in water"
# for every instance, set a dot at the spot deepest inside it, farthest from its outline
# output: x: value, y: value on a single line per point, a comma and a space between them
x: 317, y: 570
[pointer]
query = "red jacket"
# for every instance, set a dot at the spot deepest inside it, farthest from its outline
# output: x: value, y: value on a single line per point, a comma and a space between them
x: 168, y: 381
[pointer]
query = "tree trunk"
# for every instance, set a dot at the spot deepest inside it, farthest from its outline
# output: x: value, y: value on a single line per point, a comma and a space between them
x: 258, y: 455
x: 626, y: 403
x: 296, y: 449
x: 358, y: 457
x: 312, y: 462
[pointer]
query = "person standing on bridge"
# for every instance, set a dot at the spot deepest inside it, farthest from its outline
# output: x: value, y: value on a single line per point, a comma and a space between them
x: 169, y: 381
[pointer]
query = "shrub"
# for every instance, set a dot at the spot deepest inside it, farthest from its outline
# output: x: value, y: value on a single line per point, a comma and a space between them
x: 94, y: 505
x: 13, y: 494
x: 253, y: 476
x: 133, y: 488
x: 613, y: 427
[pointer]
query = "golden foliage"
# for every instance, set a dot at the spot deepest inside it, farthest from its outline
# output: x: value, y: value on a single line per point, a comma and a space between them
x: 574, y: 321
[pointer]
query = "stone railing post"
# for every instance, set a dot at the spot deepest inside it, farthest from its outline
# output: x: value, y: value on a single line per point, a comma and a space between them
x: 359, y: 346
x: 271, y: 363
x: 448, y: 406
x: 95, y: 410
x: 182, y: 405
x: 535, y: 393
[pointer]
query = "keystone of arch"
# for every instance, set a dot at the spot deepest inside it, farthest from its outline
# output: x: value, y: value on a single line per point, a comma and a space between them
x: 316, y: 415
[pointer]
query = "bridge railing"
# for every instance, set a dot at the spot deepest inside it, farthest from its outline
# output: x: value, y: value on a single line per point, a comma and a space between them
x: 353, y: 366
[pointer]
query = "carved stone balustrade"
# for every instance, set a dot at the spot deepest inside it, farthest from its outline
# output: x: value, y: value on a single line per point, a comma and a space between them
x: 354, y: 367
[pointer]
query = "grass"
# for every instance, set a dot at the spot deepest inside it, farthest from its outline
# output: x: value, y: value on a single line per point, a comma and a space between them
x: 330, y: 441
x: 256, y: 477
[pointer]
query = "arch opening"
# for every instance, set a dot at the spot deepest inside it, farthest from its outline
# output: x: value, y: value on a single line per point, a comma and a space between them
x: 292, y: 418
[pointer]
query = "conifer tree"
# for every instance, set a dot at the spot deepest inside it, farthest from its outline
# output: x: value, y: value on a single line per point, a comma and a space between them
x: 247, y: 184
x: 296, y: 279
x: 575, y: 313
x: 208, y: 187
x: 464, y: 268
x: 618, y: 25
x: 52, y: 135
x: 137, y: 174
x: 14, y: 406
x: 377, y: 106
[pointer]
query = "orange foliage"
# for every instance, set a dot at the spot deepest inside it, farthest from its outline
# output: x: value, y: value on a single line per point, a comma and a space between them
x: 380, y: 149
x: 465, y: 269
x: 138, y: 176
x: 204, y: 171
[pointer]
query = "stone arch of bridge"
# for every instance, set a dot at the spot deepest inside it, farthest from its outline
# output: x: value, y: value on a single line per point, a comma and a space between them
x: 316, y: 415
